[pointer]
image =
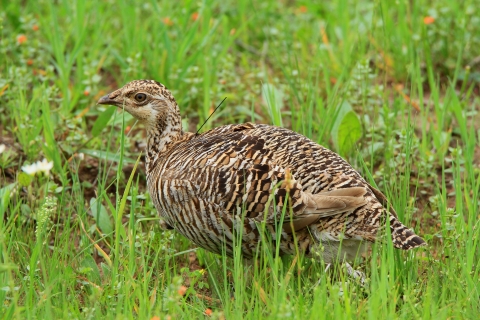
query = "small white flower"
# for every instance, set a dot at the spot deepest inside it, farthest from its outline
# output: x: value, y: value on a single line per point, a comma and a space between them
x: 44, y: 166
x: 2, y: 148
x: 30, y: 169
x: 39, y: 166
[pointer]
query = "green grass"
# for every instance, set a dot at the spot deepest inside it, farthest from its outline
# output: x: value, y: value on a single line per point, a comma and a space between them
x: 397, y: 97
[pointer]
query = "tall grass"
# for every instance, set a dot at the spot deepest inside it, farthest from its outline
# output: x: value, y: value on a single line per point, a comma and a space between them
x: 391, y: 86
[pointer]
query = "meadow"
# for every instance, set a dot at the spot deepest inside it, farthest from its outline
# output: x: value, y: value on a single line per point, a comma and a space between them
x: 392, y: 86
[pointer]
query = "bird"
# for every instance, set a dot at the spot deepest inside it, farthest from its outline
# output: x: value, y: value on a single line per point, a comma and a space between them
x: 230, y: 187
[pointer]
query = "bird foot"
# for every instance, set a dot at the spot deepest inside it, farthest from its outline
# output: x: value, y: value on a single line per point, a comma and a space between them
x: 357, y: 275
x: 352, y: 274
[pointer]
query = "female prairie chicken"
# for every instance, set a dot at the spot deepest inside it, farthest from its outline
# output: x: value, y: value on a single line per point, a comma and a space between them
x: 250, y: 178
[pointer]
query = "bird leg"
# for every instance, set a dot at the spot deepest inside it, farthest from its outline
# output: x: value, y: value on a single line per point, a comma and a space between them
x: 357, y: 275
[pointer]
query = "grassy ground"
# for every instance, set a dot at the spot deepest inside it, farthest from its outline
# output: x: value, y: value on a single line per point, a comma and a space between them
x: 392, y: 86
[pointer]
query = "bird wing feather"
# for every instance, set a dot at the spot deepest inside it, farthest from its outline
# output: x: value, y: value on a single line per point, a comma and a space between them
x: 238, y: 171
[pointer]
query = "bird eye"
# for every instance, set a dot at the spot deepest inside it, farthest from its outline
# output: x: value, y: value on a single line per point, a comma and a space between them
x: 140, y: 97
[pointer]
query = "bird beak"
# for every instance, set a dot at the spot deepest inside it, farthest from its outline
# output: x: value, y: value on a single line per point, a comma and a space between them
x: 106, y: 100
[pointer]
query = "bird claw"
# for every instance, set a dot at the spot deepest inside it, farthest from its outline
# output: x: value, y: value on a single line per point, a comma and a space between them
x: 356, y: 274
x: 328, y: 267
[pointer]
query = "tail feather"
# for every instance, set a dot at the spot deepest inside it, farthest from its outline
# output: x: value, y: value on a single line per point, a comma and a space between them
x: 404, y: 238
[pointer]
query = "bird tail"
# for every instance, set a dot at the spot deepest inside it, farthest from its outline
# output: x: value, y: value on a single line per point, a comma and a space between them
x: 404, y: 238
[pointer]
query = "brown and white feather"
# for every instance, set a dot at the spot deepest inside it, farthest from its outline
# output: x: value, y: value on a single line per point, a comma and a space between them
x: 234, y: 178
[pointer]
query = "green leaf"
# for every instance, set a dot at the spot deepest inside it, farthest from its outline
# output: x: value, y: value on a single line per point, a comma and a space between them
x: 102, y: 121
x: 119, y: 214
x: 101, y: 216
x: 105, y: 155
x: 50, y: 147
x: 5, y: 197
x: 274, y: 100
x: 347, y: 129
x: 107, y: 271
x: 89, y: 267
x: 7, y: 267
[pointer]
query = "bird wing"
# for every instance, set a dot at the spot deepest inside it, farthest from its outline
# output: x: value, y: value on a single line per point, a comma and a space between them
x: 237, y: 171
x: 326, y: 204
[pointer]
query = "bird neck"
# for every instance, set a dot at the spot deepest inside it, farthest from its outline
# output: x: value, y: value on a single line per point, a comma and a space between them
x: 162, y: 135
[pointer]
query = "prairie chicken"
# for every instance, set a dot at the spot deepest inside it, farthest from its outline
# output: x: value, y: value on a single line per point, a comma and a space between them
x: 245, y: 179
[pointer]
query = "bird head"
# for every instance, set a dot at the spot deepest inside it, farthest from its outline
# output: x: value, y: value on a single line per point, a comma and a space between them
x: 146, y: 100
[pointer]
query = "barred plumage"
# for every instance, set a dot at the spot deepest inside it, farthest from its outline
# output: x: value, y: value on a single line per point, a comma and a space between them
x: 236, y: 178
